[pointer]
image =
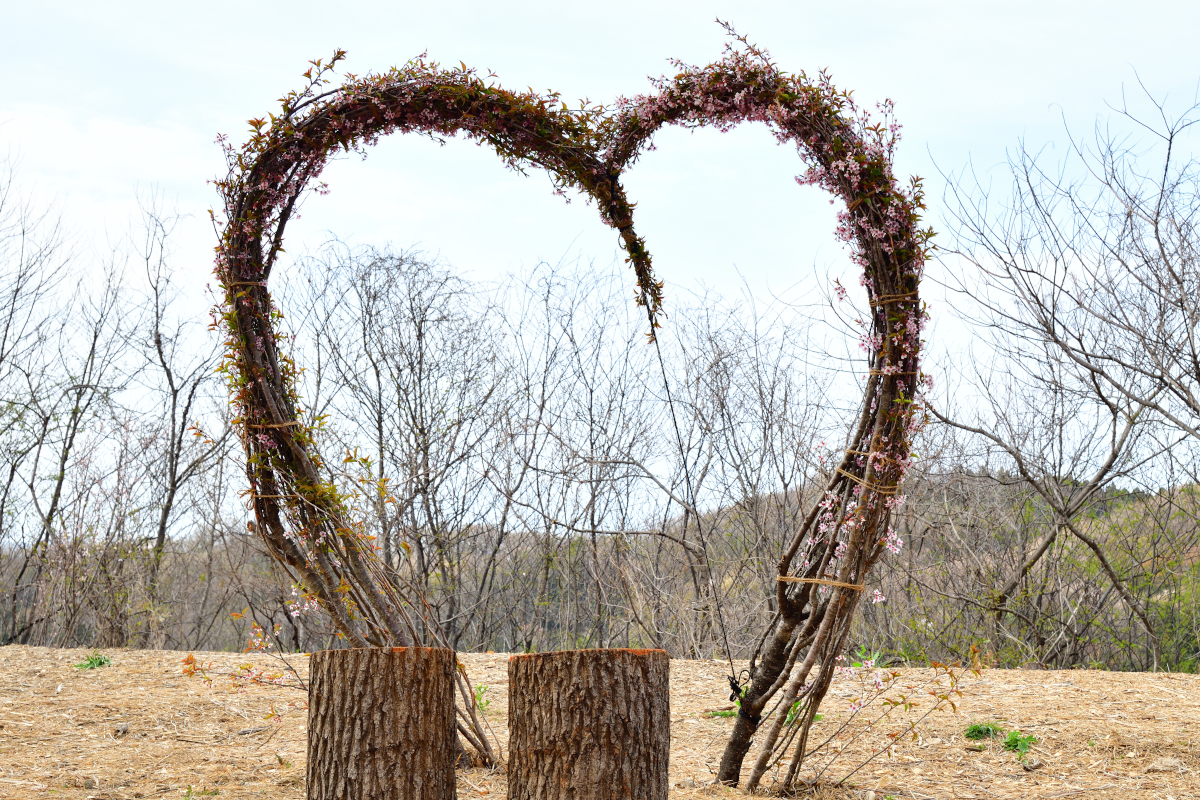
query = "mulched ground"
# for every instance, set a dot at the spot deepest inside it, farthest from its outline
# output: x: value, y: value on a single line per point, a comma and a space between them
x: 141, y: 728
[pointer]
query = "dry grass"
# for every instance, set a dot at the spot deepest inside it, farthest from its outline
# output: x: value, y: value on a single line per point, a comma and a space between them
x: 140, y: 728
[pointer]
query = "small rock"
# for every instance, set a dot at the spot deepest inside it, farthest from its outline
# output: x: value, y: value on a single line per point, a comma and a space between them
x: 121, y: 729
x: 1166, y: 764
x: 88, y: 783
x: 1030, y: 764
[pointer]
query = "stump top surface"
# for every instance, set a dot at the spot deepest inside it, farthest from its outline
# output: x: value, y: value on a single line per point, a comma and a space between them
x: 593, y: 650
x: 379, y: 649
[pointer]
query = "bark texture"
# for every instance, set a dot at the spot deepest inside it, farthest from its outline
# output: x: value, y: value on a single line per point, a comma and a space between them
x: 381, y: 724
x: 589, y: 725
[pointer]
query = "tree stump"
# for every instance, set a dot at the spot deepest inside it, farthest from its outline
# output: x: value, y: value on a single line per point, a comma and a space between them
x: 381, y: 724
x: 589, y: 725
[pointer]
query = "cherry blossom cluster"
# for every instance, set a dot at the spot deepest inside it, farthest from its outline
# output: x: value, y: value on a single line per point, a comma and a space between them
x: 301, y: 603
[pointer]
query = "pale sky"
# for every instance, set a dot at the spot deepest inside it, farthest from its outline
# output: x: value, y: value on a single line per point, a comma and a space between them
x: 103, y: 100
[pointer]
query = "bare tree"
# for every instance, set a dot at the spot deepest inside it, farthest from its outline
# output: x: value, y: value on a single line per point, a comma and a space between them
x: 1085, y: 279
x: 177, y: 375
x: 33, y: 258
x: 1098, y: 259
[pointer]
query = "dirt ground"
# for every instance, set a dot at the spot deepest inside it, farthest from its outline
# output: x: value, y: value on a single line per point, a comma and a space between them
x: 140, y: 728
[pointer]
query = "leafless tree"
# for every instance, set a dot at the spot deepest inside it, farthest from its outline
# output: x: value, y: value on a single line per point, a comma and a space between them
x: 1085, y: 281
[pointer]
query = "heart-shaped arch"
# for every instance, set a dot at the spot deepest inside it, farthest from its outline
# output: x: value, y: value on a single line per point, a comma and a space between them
x: 307, y: 523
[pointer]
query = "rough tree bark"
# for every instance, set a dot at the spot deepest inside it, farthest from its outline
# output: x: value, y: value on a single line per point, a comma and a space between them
x: 381, y: 724
x: 589, y: 725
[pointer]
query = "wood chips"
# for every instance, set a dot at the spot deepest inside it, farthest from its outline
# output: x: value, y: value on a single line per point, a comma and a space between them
x: 140, y: 728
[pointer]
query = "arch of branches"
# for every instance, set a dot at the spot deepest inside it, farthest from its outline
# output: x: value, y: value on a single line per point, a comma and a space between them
x: 309, y: 525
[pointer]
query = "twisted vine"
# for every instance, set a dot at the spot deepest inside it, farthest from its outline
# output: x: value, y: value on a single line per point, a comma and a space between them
x: 309, y: 524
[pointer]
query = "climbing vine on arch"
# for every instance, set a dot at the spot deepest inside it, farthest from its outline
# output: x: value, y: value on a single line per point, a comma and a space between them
x: 308, y: 523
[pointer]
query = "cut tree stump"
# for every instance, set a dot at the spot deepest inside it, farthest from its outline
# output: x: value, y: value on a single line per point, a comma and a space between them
x: 381, y: 724
x: 589, y: 725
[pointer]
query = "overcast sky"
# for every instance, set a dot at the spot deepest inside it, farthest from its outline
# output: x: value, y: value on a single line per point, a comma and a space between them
x: 103, y: 100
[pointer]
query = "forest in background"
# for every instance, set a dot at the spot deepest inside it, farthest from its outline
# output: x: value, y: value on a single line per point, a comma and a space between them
x: 551, y: 480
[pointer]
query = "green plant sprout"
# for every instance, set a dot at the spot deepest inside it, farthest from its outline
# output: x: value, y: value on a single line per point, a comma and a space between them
x: 727, y: 712
x: 796, y: 710
x: 95, y: 660
x: 866, y: 658
x: 480, y: 701
x: 983, y: 730
x: 1020, y: 743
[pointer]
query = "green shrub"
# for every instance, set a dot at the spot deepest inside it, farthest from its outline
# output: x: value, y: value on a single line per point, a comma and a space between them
x: 94, y: 661
x: 983, y: 730
x: 1019, y: 742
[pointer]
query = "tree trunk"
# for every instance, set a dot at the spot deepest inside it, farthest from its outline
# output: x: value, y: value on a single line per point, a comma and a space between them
x: 589, y: 725
x: 381, y: 724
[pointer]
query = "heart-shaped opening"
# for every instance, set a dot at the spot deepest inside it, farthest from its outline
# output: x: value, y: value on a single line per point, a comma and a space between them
x: 310, y: 526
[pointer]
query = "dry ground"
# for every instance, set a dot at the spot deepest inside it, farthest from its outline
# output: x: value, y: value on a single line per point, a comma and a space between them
x: 140, y: 728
